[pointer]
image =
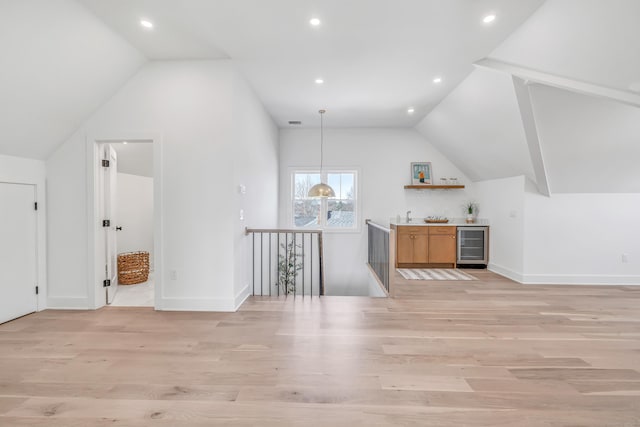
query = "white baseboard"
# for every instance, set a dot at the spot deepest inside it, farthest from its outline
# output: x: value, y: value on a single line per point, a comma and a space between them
x: 241, y: 297
x: 564, y: 279
x: 580, y: 279
x: 506, y: 272
x: 198, y: 304
x: 68, y: 303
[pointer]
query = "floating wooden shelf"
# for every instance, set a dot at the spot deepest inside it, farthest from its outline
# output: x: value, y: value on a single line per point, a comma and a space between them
x: 432, y: 187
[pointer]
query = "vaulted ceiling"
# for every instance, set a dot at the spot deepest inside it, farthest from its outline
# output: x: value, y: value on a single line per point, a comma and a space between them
x: 579, y: 63
x: 63, y: 58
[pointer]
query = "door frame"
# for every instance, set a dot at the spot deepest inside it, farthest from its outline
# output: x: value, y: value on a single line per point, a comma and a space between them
x: 95, y: 255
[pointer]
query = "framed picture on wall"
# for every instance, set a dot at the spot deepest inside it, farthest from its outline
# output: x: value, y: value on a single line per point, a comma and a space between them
x: 421, y: 173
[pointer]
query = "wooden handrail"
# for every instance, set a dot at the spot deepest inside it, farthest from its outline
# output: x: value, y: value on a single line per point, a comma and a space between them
x: 248, y: 230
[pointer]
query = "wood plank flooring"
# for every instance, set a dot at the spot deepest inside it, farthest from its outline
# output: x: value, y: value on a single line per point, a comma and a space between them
x: 482, y: 353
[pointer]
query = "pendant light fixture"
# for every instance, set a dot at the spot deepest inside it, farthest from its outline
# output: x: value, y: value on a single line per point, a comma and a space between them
x: 322, y: 189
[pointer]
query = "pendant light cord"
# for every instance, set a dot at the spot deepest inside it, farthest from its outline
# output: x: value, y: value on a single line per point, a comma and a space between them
x: 321, y: 141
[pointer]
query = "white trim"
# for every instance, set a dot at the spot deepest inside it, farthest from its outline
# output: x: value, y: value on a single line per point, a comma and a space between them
x: 561, y: 82
x: 581, y: 279
x: 241, y: 297
x: 529, y: 124
x: 565, y: 279
x: 68, y: 303
x: 506, y: 272
x: 199, y: 304
x: 95, y: 298
x: 326, y: 170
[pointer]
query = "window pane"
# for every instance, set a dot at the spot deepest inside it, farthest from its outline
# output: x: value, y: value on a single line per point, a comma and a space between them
x: 306, y: 212
x: 341, y: 213
x: 303, y: 182
x: 342, y: 184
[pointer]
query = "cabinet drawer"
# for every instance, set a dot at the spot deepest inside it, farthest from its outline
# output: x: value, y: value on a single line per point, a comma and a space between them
x: 442, y: 230
x: 413, y: 229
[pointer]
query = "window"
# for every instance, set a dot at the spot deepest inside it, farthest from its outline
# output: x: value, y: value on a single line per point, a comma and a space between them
x: 339, y: 213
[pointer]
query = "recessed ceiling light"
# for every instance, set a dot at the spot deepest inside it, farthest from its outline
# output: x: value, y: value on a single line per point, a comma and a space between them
x: 489, y: 18
x: 437, y: 80
x: 146, y: 24
x: 124, y: 142
x: 314, y: 21
x: 411, y: 110
x: 319, y: 81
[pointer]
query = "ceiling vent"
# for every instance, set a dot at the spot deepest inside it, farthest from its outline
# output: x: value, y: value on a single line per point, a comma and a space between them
x: 295, y: 122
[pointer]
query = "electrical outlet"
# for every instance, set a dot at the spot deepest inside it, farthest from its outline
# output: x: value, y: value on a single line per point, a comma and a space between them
x: 625, y: 258
x: 173, y: 275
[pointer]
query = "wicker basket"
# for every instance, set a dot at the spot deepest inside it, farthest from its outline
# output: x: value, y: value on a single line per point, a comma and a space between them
x: 133, y: 268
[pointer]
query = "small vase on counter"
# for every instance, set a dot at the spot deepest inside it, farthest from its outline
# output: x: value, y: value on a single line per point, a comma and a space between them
x: 471, y: 210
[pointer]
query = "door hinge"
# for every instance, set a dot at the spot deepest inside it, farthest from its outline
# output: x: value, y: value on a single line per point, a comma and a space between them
x: 35, y: 205
x: 105, y: 163
x: 37, y: 290
x: 106, y: 223
x: 106, y: 283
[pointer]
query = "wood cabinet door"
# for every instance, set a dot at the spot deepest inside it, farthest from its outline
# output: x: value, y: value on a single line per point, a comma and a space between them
x: 404, y: 248
x: 442, y: 249
x: 420, y: 248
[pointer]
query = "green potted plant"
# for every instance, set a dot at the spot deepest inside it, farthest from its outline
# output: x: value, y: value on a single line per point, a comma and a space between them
x: 471, y: 209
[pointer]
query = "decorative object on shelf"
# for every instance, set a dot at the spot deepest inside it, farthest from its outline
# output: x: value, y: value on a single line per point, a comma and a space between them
x: 471, y: 209
x: 444, y: 181
x: 322, y: 189
x: 133, y: 268
x: 433, y: 187
x: 453, y: 181
x: 436, y: 220
x: 421, y: 173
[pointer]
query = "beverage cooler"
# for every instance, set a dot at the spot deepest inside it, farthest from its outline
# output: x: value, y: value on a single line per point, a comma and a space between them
x: 473, y: 246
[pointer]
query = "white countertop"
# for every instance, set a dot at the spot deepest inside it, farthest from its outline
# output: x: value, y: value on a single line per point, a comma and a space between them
x: 453, y: 222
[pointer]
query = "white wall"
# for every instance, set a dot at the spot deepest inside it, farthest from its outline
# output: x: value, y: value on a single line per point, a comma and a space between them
x: 135, y: 214
x: 27, y: 171
x: 562, y: 239
x: 580, y: 238
x: 255, y: 140
x: 502, y: 202
x: 383, y: 158
x: 190, y: 105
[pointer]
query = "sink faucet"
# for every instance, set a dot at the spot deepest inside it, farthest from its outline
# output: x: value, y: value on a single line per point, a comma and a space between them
x: 408, y: 216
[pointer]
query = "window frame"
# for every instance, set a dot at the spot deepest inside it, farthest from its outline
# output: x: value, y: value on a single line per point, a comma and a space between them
x: 323, y: 201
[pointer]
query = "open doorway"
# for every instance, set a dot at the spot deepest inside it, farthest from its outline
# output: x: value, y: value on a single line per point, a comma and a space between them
x: 127, y: 201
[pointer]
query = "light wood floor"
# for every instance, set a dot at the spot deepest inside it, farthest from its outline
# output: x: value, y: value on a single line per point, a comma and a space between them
x: 482, y: 353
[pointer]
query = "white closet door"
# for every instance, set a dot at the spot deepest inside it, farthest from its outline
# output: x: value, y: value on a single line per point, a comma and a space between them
x: 17, y: 251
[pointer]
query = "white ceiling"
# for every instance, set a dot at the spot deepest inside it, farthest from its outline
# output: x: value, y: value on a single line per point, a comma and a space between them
x: 479, y: 128
x: 377, y: 57
x: 58, y: 64
x: 135, y: 158
x: 596, y: 41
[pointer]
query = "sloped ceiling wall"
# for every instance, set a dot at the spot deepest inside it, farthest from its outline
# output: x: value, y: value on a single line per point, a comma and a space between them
x: 479, y: 128
x: 593, y: 41
x: 590, y: 145
x: 58, y: 64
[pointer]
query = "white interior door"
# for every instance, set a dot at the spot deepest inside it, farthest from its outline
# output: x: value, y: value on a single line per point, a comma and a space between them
x: 110, y: 209
x: 18, y: 269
